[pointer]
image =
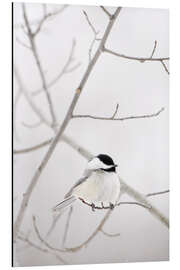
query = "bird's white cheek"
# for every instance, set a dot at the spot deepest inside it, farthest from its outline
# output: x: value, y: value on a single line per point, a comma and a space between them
x: 94, y: 164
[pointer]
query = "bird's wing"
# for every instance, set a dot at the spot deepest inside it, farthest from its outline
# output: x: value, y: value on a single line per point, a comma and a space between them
x: 80, y: 181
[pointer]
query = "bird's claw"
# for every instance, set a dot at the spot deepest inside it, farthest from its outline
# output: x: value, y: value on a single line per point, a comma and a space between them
x: 111, y: 205
x: 102, y: 205
x: 93, y: 207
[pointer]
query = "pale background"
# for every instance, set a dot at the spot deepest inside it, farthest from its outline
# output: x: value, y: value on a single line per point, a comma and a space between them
x: 140, y: 147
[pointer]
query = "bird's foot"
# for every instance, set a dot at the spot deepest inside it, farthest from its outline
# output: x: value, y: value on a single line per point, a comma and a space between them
x: 93, y: 207
x: 111, y: 205
x: 102, y: 205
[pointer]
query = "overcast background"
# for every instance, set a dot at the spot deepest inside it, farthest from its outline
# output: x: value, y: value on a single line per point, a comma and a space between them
x: 140, y: 147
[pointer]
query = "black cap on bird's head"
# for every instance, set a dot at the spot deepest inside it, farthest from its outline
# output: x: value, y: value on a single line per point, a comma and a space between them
x: 102, y: 162
x: 107, y: 160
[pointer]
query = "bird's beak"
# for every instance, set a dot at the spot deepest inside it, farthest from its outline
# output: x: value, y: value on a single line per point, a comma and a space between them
x: 115, y: 166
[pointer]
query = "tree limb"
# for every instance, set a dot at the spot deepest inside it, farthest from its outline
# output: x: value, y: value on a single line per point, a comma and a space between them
x: 118, y: 118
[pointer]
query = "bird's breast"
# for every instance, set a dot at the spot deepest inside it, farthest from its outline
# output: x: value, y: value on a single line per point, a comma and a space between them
x: 99, y: 187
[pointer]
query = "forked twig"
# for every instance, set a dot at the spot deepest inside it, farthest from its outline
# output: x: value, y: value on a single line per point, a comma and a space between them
x: 106, y: 11
x: 118, y: 118
x: 94, y: 32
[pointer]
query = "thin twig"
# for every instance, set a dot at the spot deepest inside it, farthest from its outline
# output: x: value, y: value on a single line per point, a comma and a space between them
x: 110, y: 234
x: 52, y: 226
x: 37, y: 22
x: 69, y: 141
x: 31, y: 103
x: 17, y: 98
x: 140, y: 59
x: 42, y: 118
x: 95, y: 35
x: 165, y: 67
x: 64, y: 138
x: 106, y: 11
x: 142, y: 199
x: 42, y: 240
x: 23, y: 44
x: 94, y: 233
x: 115, y: 112
x: 157, y: 193
x: 35, y: 125
x: 31, y: 37
x: 67, y: 225
x: 65, y: 70
x: 90, y: 24
x: 44, y: 250
x: 154, y: 48
x: 118, y: 118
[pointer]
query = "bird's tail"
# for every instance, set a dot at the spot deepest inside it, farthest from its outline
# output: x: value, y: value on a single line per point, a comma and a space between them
x: 64, y: 204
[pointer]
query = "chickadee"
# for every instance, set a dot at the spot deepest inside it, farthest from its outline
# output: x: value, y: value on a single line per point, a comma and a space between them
x: 99, y: 185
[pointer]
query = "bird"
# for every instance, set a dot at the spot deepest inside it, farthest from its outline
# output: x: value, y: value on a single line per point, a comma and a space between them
x: 99, y: 185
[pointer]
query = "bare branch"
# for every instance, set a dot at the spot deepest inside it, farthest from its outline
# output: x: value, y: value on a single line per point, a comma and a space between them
x: 95, y: 35
x: 117, y: 204
x: 69, y: 141
x: 17, y: 98
x: 118, y: 118
x: 110, y: 234
x: 44, y: 250
x: 93, y: 235
x: 53, y: 225
x: 157, y: 193
x: 31, y: 37
x: 115, y: 112
x: 28, y: 97
x: 46, y: 16
x: 90, y: 24
x: 66, y: 69
x: 44, y: 7
x: 67, y: 118
x: 142, y: 199
x: 42, y: 118
x: 67, y: 225
x: 35, y: 125
x: 44, y: 242
x: 153, y: 51
x: 106, y: 11
x: 22, y: 43
x: 140, y: 59
x: 165, y: 67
